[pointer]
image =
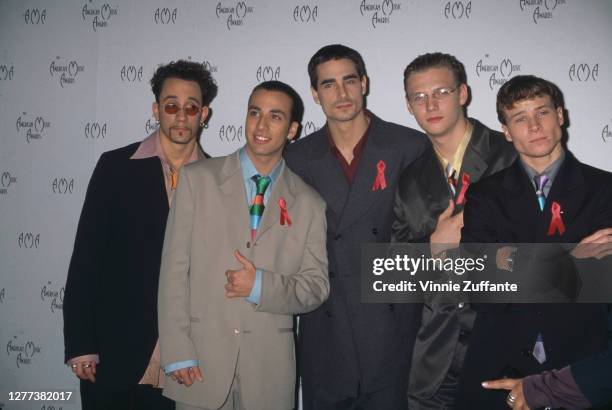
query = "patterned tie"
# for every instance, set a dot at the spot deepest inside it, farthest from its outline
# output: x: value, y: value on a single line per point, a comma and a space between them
x: 540, y: 182
x: 257, y: 208
x: 450, y: 177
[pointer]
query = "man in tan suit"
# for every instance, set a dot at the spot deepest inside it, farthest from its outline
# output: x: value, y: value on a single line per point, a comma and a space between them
x: 229, y: 285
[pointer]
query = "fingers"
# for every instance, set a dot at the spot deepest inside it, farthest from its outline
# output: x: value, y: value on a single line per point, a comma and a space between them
x: 240, y: 282
x: 458, y: 219
x: 196, y: 373
x: 230, y: 286
x: 231, y: 291
x: 187, y: 376
x: 448, y: 211
x: 500, y: 384
x: 602, y: 253
x: 596, y: 250
x: 90, y: 373
x: 182, y: 376
x: 600, y: 236
x: 244, y: 261
x: 85, y: 370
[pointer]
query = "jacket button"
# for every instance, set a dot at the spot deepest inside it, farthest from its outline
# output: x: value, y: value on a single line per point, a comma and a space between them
x: 391, y: 307
x: 328, y: 313
x: 337, y: 237
x: 374, y: 231
x: 330, y: 274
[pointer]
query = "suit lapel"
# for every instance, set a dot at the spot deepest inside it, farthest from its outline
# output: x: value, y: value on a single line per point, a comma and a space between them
x: 235, y: 202
x: 361, y: 196
x: 433, y: 183
x: 521, y: 204
x: 283, y: 188
x: 566, y: 191
x: 327, y: 175
x: 474, y: 160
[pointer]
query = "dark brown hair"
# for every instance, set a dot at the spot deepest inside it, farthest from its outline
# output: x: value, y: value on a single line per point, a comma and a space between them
x: 525, y: 87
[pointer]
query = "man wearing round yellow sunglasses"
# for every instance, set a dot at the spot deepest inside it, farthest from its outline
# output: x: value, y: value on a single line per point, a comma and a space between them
x: 110, y: 304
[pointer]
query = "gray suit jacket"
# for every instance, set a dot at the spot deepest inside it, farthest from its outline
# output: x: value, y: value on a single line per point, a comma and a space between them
x: 209, y: 219
x: 347, y: 346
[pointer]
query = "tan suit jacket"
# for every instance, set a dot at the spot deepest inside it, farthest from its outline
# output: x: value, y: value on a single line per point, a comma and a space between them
x: 208, y: 220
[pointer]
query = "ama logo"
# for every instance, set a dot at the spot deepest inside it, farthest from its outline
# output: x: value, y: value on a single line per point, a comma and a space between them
x: 458, y: 10
x: 131, y: 73
x: 305, y: 13
x: 235, y: 15
x: 267, y: 73
x: 165, y: 15
x: 497, y: 74
x: 583, y: 72
x: 65, y: 71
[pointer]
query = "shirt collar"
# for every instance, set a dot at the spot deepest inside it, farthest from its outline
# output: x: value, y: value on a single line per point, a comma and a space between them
x: 551, y: 171
x: 248, y: 169
x: 460, y: 151
x: 151, y: 147
x: 360, y: 144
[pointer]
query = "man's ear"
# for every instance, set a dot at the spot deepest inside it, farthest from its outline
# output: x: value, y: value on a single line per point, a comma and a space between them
x: 204, y: 115
x: 315, y: 95
x: 293, y: 129
x: 408, y: 106
x: 506, y: 133
x: 155, y: 110
x: 364, y: 85
x: 463, y: 94
x: 560, y: 116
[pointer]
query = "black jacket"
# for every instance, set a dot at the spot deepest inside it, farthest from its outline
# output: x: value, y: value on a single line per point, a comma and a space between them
x: 110, y: 303
x: 423, y: 194
x: 503, y: 208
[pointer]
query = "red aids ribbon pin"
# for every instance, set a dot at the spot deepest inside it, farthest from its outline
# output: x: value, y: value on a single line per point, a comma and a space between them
x: 556, y: 223
x: 284, y: 215
x: 465, y: 183
x: 380, y: 183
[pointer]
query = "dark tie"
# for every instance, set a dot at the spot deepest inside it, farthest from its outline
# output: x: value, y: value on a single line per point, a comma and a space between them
x: 257, y: 208
x: 540, y: 182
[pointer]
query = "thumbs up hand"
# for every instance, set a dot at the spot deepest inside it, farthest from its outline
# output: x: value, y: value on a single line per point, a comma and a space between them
x: 240, y: 281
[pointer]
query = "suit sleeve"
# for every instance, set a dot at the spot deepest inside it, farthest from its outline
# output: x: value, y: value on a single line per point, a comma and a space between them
x: 593, y: 375
x: 87, y: 260
x: 306, y: 289
x: 173, y: 297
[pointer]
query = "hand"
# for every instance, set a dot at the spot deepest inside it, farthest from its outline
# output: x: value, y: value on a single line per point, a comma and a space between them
x: 187, y: 375
x: 597, y: 245
x: 448, y: 230
x: 516, y: 391
x: 240, y: 282
x: 85, y: 370
x: 504, y: 258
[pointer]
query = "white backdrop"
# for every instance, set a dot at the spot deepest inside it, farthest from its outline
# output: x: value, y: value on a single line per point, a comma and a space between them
x: 74, y: 83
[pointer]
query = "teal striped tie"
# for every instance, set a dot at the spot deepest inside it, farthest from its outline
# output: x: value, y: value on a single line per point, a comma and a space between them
x: 257, y: 208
